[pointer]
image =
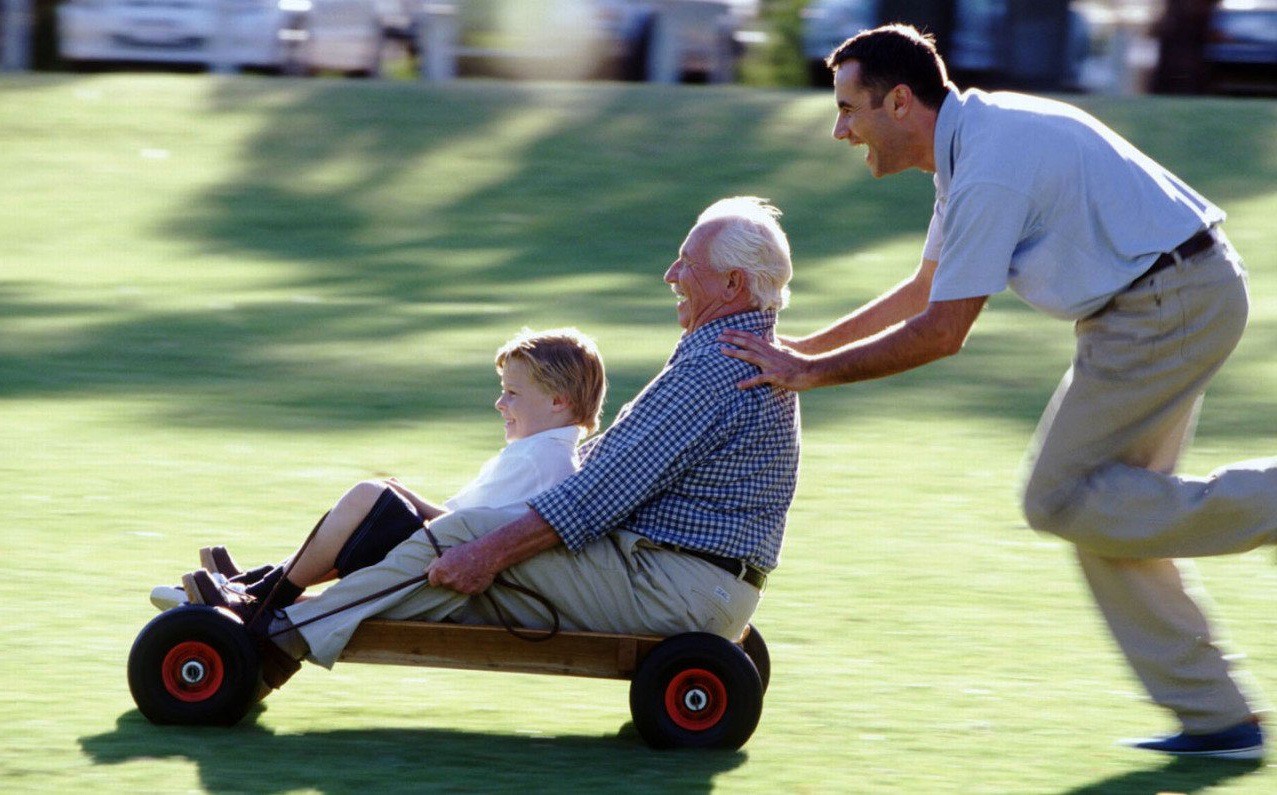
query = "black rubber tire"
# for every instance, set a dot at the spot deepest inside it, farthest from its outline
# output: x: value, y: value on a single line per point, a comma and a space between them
x: 756, y: 648
x: 696, y: 690
x: 194, y: 665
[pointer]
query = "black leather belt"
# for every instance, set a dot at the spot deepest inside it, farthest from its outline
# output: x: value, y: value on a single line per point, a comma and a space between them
x: 1191, y: 247
x: 736, y: 567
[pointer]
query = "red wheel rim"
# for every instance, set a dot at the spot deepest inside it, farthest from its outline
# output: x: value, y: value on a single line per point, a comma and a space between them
x: 192, y: 671
x: 695, y: 699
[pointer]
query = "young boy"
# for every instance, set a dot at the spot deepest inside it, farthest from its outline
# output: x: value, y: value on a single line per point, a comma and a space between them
x: 552, y: 389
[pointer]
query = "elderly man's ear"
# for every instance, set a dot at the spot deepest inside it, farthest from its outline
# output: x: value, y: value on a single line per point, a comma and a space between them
x: 736, y: 284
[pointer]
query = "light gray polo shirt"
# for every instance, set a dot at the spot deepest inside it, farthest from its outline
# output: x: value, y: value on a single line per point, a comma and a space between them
x: 1036, y: 195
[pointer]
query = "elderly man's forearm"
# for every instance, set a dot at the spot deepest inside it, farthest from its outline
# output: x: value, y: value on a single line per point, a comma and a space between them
x: 517, y: 541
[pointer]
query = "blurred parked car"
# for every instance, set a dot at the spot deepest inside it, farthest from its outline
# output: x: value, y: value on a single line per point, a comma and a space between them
x: 828, y: 23
x: 710, y: 36
x: 1241, y: 49
x: 295, y: 36
x: 982, y: 46
x: 979, y: 48
x: 620, y: 39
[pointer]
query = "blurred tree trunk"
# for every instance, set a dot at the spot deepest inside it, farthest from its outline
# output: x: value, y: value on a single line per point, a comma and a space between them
x: 1181, y: 65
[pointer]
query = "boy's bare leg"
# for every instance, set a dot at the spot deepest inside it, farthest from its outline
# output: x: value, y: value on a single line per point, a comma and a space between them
x: 314, y: 563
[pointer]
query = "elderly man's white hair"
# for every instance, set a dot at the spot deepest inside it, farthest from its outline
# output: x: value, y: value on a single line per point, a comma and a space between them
x: 749, y: 238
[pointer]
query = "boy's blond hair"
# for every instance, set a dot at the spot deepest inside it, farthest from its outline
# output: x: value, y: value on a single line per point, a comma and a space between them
x: 562, y: 361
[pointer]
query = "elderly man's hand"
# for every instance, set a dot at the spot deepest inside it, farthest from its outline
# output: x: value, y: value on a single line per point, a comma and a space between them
x: 779, y: 366
x: 463, y: 568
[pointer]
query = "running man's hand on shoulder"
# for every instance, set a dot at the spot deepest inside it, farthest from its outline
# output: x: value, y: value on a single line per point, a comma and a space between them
x: 779, y: 366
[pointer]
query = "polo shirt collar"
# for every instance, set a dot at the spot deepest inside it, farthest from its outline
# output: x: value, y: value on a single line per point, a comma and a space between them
x: 756, y: 321
x: 946, y: 144
x: 566, y: 433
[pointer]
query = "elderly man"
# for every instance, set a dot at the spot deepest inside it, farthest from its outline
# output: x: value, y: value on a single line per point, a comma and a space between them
x: 675, y: 517
x: 1035, y: 195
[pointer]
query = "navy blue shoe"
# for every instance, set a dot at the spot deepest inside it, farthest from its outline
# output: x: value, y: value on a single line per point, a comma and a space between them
x: 1243, y: 741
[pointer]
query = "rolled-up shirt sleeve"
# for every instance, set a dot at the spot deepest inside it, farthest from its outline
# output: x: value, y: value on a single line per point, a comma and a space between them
x: 667, y: 429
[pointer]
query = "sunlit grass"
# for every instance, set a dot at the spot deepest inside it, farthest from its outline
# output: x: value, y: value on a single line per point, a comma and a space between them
x: 223, y: 301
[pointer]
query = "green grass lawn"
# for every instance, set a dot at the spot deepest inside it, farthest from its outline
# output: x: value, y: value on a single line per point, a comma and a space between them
x: 224, y: 301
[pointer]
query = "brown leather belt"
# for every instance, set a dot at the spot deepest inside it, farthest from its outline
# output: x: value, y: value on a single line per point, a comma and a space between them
x: 1191, y: 247
x: 736, y: 567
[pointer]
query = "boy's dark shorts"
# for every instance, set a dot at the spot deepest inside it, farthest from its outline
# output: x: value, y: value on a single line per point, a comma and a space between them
x: 391, y: 520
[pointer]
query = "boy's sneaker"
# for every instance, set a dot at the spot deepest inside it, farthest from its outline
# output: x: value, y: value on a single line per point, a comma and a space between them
x: 1243, y: 741
x: 219, y: 561
x: 204, y: 588
x: 167, y: 597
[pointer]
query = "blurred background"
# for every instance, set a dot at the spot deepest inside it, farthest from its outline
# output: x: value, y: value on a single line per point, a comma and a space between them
x: 1102, y: 46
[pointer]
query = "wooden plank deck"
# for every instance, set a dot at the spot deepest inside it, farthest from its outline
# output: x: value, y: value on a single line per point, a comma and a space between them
x: 593, y: 654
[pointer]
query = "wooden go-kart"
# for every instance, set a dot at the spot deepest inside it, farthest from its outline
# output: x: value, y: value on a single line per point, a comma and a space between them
x: 198, y: 665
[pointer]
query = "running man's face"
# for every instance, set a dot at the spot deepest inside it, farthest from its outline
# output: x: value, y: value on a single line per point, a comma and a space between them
x: 859, y: 123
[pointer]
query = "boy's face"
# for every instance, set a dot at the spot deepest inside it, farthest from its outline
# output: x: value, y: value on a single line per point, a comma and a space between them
x: 525, y: 406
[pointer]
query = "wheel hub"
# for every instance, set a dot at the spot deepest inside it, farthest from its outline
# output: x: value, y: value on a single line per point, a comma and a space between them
x: 192, y: 671
x: 696, y: 699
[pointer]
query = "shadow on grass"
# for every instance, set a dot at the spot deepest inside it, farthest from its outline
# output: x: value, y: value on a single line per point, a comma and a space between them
x: 1179, y: 775
x: 250, y: 758
x: 494, y: 205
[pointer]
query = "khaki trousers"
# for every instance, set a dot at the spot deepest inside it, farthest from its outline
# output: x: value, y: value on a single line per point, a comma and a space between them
x: 1100, y: 477
x: 620, y: 583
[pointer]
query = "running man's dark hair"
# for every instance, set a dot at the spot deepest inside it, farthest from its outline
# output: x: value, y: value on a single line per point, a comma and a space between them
x: 893, y: 55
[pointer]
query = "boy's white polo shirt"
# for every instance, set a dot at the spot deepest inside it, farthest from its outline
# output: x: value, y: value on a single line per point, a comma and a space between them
x: 524, y: 468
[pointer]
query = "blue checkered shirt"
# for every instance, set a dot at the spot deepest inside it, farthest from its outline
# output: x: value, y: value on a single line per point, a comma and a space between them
x: 692, y: 461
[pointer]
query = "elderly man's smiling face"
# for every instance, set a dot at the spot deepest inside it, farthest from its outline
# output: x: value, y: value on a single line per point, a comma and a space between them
x: 704, y: 293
